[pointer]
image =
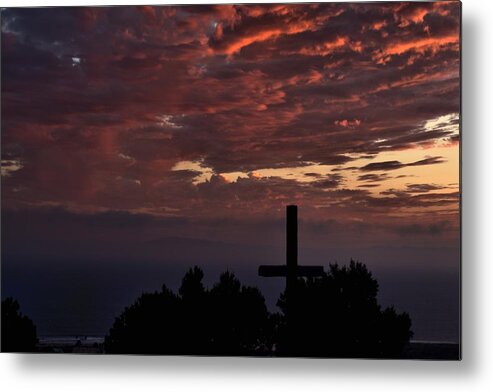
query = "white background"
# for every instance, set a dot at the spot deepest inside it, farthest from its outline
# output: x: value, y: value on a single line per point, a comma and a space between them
x: 473, y: 373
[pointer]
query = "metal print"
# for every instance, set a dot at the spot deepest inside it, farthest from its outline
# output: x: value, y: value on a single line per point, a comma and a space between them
x: 236, y: 179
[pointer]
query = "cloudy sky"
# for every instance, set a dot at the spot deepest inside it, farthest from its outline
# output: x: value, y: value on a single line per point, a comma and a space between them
x: 131, y: 125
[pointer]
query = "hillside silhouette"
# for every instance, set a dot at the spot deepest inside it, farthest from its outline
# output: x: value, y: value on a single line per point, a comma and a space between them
x: 335, y: 315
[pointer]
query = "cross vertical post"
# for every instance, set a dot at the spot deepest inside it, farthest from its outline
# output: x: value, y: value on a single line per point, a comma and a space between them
x: 291, y: 270
x: 291, y: 247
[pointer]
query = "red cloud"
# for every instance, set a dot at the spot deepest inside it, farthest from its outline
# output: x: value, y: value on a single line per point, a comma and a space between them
x: 235, y: 88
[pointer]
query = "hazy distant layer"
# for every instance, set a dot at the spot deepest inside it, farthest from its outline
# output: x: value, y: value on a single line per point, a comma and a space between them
x: 73, y: 296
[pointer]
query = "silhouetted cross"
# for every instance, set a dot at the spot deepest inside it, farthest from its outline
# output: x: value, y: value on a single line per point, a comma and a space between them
x: 291, y: 270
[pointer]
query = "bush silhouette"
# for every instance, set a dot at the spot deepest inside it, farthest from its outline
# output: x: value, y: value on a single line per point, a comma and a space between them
x: 229, y: 319
x: 337, y: 315
x: 18, y: 331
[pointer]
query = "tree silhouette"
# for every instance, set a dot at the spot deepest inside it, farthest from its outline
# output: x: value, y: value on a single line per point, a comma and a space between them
x: 337, y: 315
x: 239, y: 318
x: 229, y: 319
x: 195, y: 330
x: 149, y: 326
x: 18, y: 331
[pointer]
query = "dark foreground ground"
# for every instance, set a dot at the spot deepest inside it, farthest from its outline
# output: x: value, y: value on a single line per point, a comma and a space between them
x: 71, y: 344
x: 446, y: 351
x: 94, y: 345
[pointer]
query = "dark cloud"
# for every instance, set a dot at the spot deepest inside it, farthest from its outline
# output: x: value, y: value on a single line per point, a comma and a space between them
x: 421, y: 188
x: 393, y: 165
x: 387, y: 165
x: 433, y: 229
x: 427, y: 161
x: 373, y: 177
x: 99, y: 105
x: 313, y: 174
x: 414, y: 188
x: 401, y: 199
x: 332, y: 181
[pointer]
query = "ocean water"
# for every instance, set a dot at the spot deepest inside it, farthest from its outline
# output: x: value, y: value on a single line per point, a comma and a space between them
x: 84, y: 299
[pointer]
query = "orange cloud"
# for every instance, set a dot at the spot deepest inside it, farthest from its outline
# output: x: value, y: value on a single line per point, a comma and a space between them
x: 348, y: 123
x: 420, y: 46
x: 379, y: 25
x: 241, y: 43
x: 325, y: 48
x: 218, y: 33
x: 236, y: 45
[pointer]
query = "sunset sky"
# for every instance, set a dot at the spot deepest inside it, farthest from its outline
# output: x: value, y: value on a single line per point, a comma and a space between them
x: 127, y: 129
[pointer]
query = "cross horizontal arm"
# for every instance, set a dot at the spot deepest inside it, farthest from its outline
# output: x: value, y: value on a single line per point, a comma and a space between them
x: 282, y: 270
